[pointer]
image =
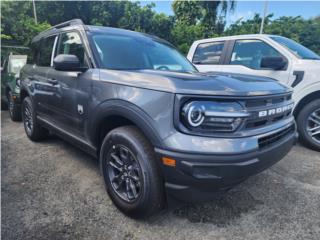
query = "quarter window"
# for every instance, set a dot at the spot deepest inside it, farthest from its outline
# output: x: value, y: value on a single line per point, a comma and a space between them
x: 208, y: 53
x: 46, y: 46
x: 71, y: 44
x: 249, y: 53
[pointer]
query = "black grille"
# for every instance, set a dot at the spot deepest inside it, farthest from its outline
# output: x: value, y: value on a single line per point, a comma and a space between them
x: 273, y: 138
x: 267, y: 101
x: 261, y: 104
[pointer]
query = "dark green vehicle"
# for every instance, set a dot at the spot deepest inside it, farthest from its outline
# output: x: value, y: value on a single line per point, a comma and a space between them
x: 10, y: 84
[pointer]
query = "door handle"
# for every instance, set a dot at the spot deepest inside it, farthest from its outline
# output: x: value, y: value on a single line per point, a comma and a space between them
x: 52, y: 81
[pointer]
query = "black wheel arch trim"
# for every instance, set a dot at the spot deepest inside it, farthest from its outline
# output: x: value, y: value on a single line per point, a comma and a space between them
x: 129, y: 111
x: 305, y: 100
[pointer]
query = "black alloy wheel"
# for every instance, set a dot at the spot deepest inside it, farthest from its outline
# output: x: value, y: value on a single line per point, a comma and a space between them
x: 28, y: 119
x: 124, y: 173
x: 33, y: 129
x: 308, y: 122
x: 132, y: 173
x: 313, y: 125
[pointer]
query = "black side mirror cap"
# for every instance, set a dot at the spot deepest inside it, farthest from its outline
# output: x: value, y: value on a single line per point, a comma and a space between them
x: 275, y: 63
x: 68, y: 62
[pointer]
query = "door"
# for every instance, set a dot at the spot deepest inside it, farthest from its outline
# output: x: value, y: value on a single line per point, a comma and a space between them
x: 245, y: 57
x: 42, y: 64
x: 70, y: 97
x: 208, y: 56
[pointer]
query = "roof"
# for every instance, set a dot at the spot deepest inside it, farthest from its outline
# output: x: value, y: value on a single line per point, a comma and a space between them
x: 72, y: 24
x: 245, y: 36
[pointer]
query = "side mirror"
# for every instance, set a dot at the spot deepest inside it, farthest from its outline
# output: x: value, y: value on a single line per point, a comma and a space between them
x: 67, y: 62
x: 275, y: 63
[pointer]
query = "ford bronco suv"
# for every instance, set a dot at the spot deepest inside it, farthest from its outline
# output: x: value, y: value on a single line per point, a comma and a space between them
x: 160, y: 129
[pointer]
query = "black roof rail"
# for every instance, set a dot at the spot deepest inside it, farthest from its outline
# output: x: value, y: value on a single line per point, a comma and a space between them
x: 72, y: 22
x: 68, y: 23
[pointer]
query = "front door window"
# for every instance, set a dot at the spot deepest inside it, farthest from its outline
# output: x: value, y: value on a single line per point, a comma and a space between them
x: 249, y: 53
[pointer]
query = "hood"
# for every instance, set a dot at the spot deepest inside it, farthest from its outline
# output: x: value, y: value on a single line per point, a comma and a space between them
x: 223, y: 84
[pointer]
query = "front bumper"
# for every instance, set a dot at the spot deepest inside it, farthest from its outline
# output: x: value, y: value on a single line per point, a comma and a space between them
x: 197, y: 177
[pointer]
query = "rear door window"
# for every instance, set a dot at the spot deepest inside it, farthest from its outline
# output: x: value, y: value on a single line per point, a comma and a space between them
x: 45, y: 52
x: 208, y: 53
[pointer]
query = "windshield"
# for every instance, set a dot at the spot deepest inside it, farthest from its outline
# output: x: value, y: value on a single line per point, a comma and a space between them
x: 122, y: 52
x: 296, y: 48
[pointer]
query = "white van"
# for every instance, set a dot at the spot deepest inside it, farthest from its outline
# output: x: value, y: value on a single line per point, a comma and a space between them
x: 271, y: 56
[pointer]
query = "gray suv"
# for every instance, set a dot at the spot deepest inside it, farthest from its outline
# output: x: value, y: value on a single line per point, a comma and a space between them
x: 161, y: 130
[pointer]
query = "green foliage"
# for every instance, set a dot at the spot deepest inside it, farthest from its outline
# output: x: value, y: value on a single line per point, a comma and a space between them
x: 184, y: 35
x: 192, y: 20
x: 17, y: 23
x: 211, y: 21
x: 4, y: 36
x: 306, y: 32
x: 209, y: 14
x: 250, y: 26
x: 187, y: 12
x: 18, y: 20
x: 198, y: 19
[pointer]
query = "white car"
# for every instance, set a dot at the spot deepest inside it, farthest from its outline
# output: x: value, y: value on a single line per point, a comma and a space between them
x: 271, y: 56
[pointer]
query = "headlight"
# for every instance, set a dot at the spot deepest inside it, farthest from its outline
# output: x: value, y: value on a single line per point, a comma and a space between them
x: 195, y: 115
x: 212, y: 116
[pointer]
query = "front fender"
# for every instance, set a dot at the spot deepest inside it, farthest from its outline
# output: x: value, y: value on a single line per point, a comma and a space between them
x: 131, y: 112
x: 300, y: 94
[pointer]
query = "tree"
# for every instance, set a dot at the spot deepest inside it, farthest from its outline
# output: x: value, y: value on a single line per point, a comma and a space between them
x: 187, y: 12
x: 306, y: 32
x: 184, y: 35
x: 250, y: 26
x: 211, y: 9
x: 198, y: 19
x: 17, y: 23
x: 192, y: 20
x: 18, y: 27
x: 210, y: 14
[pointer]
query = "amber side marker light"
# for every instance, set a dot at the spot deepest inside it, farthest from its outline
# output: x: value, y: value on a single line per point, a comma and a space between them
x: 169, y: 161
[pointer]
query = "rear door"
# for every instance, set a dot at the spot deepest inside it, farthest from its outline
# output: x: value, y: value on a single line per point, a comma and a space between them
x: 38, y: 77
x: 245, y: 55
x: 209, y: 56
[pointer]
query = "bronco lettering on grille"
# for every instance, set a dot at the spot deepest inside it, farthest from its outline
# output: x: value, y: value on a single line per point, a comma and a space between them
x: 274, y: 111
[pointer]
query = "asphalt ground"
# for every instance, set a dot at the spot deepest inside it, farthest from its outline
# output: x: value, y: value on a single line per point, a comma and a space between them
x: 52, y: 190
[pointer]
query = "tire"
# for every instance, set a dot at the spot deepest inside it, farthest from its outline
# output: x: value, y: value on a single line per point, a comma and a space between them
x: 14, y: 110
x: 33, y: 129
x: 304, y: 123
x: 129, y: 143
